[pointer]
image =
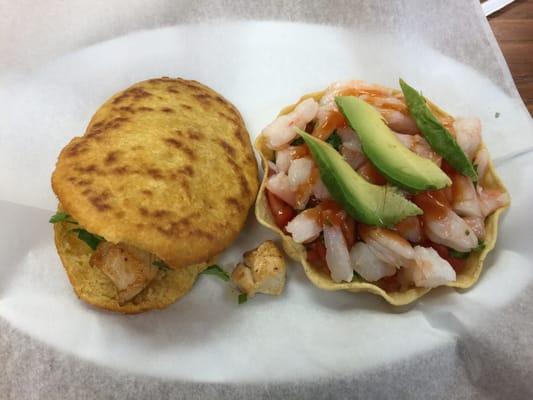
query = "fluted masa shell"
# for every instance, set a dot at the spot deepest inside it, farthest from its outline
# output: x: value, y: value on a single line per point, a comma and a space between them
x: 468, y: 276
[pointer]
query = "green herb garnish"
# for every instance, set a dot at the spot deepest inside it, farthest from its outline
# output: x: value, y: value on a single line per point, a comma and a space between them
x: 438, y: 137
x: 480, y: 246
x: 160, y: 264
x: 461, y: 255
x: 60, y: 217
x: 243, y: 298
x: 334, y: 140
x: 91, y: 239
x: 458, y: 254
x: 216, y: 271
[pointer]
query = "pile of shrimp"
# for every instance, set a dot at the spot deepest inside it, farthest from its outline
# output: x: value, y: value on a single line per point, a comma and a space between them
x: 416, y: 252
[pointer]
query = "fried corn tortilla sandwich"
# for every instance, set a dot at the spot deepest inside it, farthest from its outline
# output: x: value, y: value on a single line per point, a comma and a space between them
x: 160, y: 183
x: 378, y: 190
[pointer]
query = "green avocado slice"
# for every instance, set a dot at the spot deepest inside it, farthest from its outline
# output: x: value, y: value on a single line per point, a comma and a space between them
x: 438, y: 137
x: 367, y: 203
x: 396, y: 162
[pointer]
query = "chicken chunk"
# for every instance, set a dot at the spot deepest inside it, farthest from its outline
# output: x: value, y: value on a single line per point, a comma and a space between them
x: 129, y: 268
x: 262, y: 271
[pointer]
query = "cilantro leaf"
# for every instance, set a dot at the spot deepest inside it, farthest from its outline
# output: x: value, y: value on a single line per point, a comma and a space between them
x: 480, y: 246
x: 334, y: 140
x: 91, y: 239
x: 216, y: 271
x: 61, y: 216
x: 458, y: 254
x: 243, y: 298
x: 461, y: 255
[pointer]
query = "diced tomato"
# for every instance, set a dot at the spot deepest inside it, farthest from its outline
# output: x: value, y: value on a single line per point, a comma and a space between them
x: 439, y: 248
x: 316, y: 254
x: 456, y: 263
x: 281, y: 211
x: 447, y: 168
x: 389, y: 283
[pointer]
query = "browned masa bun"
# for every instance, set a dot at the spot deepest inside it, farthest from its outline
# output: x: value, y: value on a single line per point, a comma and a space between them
x: 465, y: 279
x: 165, y: 165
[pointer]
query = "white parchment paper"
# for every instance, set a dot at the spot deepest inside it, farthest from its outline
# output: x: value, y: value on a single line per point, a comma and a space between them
x: 62, y: 62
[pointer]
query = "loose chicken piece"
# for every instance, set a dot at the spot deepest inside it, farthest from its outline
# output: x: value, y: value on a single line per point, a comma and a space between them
x: 262, y: 271
x: 129, y: 268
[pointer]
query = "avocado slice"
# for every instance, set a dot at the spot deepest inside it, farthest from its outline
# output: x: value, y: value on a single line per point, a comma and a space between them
x: 396, y: 162
x: 367, y: 203
x: 438, y: 137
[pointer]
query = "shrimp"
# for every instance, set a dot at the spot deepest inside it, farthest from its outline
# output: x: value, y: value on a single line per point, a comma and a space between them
x: 299, y: 172
x: 320, y: 191
x: 442, y: 225
x: 417, y: 144
x: 399, y: 122
x: 391, y: 106
x: 283, y: 159
x: 468, y: 135
x: 422, y: 266
x: 465, y: 199
x: 351, y: 147
x: 278, y: 184
x: 368, y: 265
x: 477, y: 224
x: 304, y: 227
x: 430, y: 270
x: 410, y: 229
x: 490, y: 200
x: 281, y: 132
x: 337, y: 255
x: 387, y: 245
x: 302, y: 176
x: 129, y: 268
x: 482, y: 162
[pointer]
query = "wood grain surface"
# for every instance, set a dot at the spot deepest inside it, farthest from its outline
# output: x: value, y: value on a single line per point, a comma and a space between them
x: 513, y: 28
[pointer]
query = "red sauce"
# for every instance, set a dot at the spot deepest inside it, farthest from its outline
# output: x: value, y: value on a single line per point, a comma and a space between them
x: 304, y: 190
x: 371, y: 174
x: 281, y: 211
x: 375, y: 100
x: 333, y: 121
x: 434, y: 204
x: 299, y: 151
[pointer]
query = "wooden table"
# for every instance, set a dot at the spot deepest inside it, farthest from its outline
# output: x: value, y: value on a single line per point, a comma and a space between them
x: 513, y: 28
